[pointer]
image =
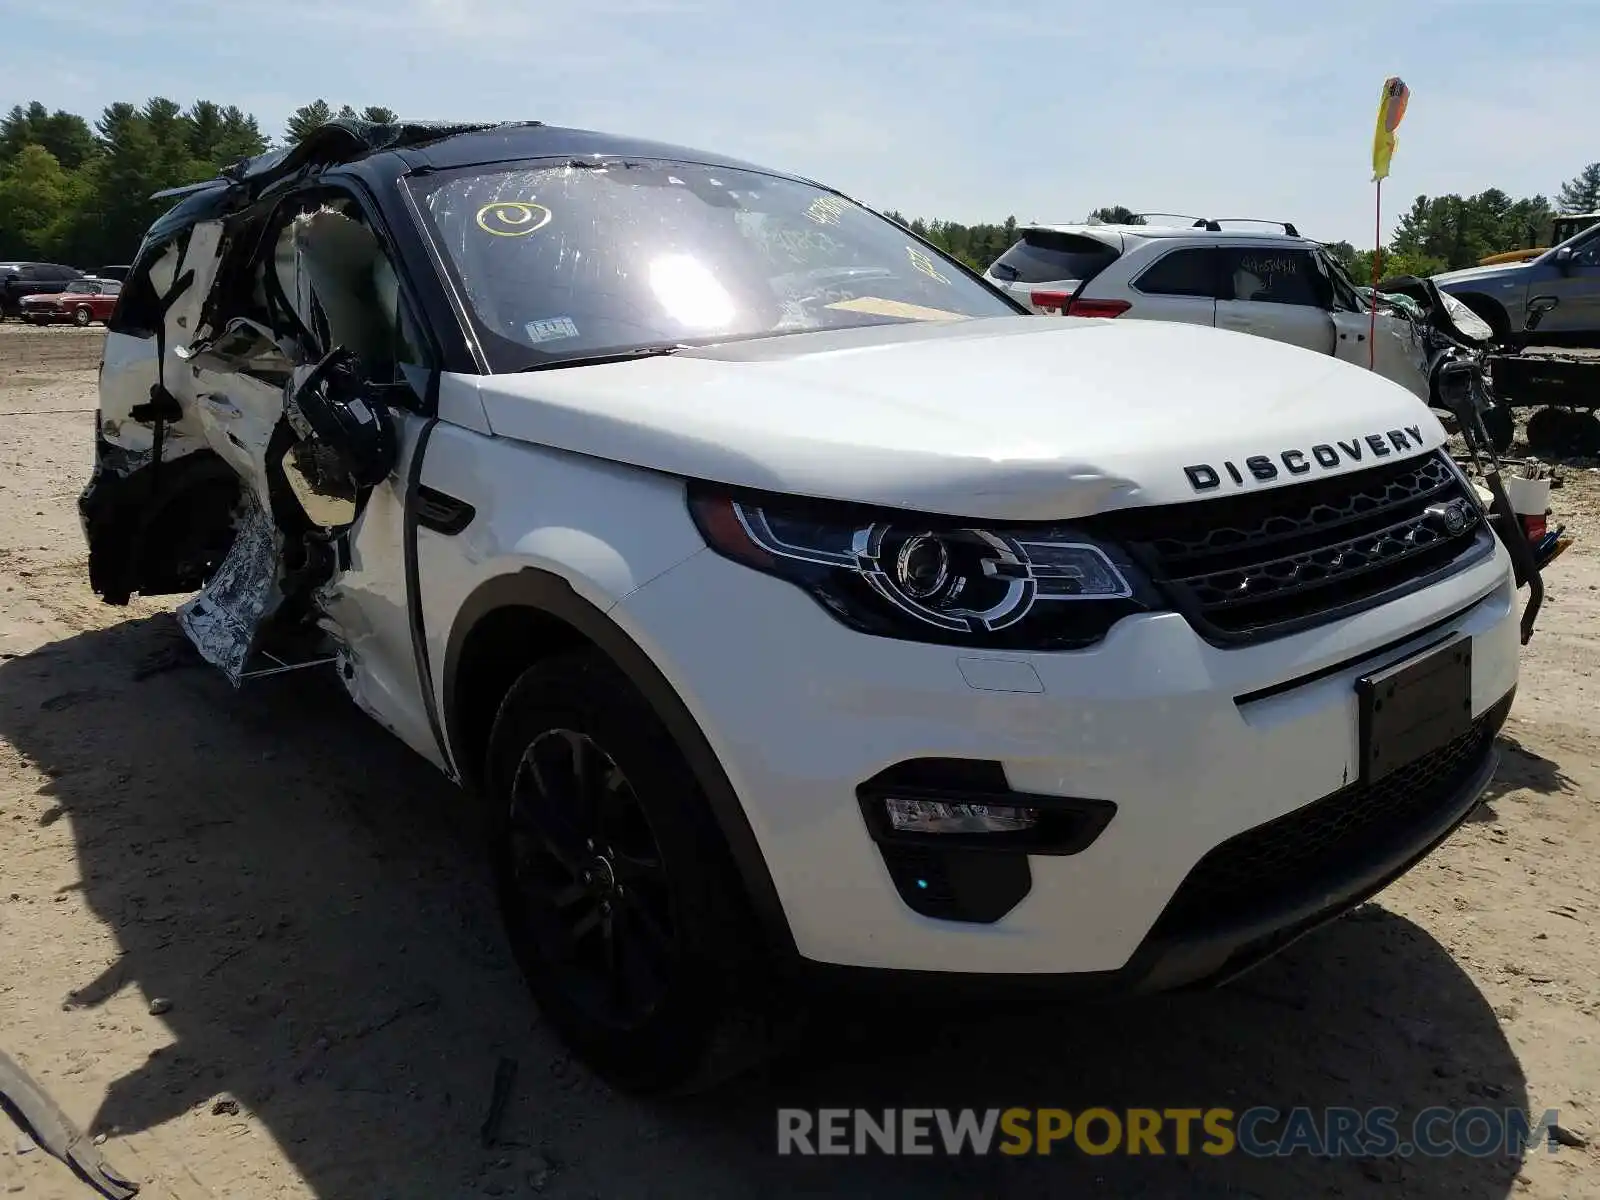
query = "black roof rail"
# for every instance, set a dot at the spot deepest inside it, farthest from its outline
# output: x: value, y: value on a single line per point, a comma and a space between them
x: 1199, y: 222
x: 1283, y: 225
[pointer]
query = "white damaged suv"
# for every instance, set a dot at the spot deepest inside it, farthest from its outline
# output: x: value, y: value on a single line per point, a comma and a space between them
x: 800, y: 608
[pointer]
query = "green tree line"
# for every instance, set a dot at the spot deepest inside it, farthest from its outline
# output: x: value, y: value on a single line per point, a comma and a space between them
x: 1447, y: 233
x: 77, y: 193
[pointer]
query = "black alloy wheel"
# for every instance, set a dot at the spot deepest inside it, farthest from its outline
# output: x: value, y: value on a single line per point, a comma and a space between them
x: 591, y: 877
x: 619, y: 896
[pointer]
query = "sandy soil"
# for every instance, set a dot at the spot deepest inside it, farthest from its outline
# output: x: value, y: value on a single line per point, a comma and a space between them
x: 306, y: 900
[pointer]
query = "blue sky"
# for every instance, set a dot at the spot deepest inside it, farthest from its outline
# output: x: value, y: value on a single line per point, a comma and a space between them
x: 964, y: 110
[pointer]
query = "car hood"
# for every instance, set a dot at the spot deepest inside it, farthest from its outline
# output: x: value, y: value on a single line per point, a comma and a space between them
x: 1009, y: 418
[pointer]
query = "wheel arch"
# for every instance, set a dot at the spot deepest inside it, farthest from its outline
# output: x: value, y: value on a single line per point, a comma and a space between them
x: 512, y: 621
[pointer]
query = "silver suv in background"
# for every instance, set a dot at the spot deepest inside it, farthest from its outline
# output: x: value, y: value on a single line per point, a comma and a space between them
x: 1556, y: 295
x: 1271, y: 283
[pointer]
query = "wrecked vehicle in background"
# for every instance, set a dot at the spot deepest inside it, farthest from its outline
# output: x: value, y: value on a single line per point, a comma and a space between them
x: 1553, y: 297
x: 802, y: 609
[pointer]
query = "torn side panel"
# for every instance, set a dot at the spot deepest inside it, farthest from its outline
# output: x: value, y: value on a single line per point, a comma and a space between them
x: 238, y: 416
x: 1398, y: 353
x: 180, y: 278
x: 225, y: 620
x: 1401, y: 355
x: 207, y: 407
x: 273, y: 385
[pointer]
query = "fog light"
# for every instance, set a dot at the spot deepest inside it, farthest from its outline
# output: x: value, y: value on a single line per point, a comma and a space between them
x: 936, y: 816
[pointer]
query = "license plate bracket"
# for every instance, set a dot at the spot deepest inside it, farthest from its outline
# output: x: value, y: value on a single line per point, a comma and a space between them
x: 1414, y: 707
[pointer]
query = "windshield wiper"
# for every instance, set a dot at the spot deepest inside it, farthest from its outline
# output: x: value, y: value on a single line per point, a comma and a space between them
x: 610, y: 356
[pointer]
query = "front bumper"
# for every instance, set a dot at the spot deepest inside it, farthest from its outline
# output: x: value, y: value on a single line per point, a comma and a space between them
x: 1197, y: 747
x: 1214, y: 952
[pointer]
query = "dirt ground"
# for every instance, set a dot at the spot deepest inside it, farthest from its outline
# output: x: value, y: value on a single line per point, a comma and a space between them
x: 305, y: 900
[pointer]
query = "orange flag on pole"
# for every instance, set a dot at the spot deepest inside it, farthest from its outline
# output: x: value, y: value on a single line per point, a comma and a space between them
x: 1391, y: 109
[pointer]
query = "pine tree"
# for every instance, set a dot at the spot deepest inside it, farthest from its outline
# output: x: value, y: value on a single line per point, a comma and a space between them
x: 307, y: 118
x: 65, y: 135
x: 1581, y: 194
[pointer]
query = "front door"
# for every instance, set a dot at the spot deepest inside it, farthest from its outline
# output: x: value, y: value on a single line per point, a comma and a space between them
x: 299, y: 378
x: 1276, y: 292
x: 329, y: 262
x: 1397, y: 354
x: 1576, y: 287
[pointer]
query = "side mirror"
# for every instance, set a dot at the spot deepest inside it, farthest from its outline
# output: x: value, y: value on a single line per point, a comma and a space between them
x: 1564, y: 258
x: 345, y: 441
x: 322, y: 486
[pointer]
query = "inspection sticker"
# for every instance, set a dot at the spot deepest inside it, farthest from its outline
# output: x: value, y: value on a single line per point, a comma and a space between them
x: 551, y: 329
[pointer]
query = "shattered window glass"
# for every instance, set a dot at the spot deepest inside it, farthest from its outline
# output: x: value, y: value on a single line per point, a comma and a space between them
x: 578, y: 259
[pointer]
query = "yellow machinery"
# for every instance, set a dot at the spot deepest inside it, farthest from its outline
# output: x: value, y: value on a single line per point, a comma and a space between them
x: 1564, y: 227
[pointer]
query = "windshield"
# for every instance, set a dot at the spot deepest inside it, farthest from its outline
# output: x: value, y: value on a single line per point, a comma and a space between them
x: 570, y: 261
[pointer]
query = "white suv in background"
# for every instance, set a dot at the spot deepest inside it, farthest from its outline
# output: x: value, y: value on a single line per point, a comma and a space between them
x: 1277, y: 285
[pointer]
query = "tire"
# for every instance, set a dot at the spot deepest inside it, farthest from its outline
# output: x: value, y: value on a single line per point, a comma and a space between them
x: 624, y: 913
x: 1556, y: 433
x: 82, y: 317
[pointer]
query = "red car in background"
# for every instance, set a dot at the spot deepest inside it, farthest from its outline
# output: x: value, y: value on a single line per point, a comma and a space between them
x: 84, y: 301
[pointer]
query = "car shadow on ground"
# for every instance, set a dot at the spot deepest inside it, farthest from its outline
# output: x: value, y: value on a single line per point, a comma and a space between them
x: 308, y: 896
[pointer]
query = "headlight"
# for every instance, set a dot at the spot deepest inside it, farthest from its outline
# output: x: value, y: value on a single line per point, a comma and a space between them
x: 932, y: 578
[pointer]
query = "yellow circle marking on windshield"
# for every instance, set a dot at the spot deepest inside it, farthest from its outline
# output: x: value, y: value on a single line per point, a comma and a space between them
x: 513, y: 218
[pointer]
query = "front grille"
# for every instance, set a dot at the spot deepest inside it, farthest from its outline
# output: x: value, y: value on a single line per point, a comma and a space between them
x: 1265, y: 868
x: 1260, y: 564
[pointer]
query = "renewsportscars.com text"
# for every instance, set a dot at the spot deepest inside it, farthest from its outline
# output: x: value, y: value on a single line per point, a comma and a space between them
x: 1259, y: 1132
